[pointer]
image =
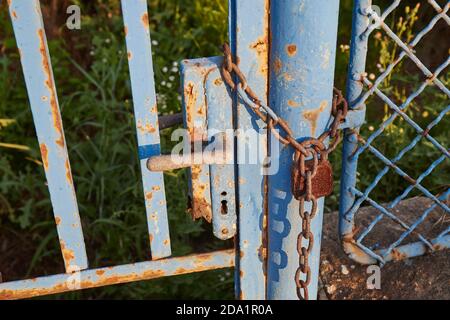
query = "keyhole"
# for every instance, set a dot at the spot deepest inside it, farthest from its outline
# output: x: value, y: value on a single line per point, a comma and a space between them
x: 224, y: 207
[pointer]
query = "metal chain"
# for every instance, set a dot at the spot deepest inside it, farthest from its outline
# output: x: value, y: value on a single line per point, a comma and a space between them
x: 314, y: 148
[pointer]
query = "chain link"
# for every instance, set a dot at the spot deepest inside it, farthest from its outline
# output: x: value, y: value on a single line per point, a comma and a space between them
x: 314, y: 148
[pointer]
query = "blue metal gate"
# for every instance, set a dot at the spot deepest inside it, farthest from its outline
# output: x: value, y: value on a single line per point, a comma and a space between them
x: 363, y: 89
x: 286, y: 53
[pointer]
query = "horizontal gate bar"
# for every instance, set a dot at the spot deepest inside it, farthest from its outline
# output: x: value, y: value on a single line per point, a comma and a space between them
x: 169, y: 162
x: 170, y: 120
x: 115, y: 275
x: 31, y: 40
x: 137, y: 33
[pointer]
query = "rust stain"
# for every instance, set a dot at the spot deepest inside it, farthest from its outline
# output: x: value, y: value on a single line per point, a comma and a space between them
x: 156, y: 188
x: 218, y: 82
x: 199, y: 261
x: 100, y: 272
x: 181, y: 271
x: 190, y: 96
x: 353, y: 251
x: 125, y: 29
x: 291, y: 50
x: 149, y: 128
x: 277, y: 65
x: 313, y: 115
x: 166, y: 242
x: 260, y: 46
x: 287, y: 76
x: 44, y: 153
x: 151, y: 238
x: 397, y: 255
x: 14, y: 14
x: 58, y: 220
x: 149, y: 196
x: 292, y: 103
x: 67, y: 254
x: 200, y: 207
x: 68, y: 172
x: 144, y: 20
x: 57, y: 122
x: 130, y: 55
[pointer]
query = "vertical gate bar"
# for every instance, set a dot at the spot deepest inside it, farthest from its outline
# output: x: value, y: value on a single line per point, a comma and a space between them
x: 137, y: 31
x: 302, y: 60
x: 35, y: 58
x: 358, y: 53
x: 249, y: 38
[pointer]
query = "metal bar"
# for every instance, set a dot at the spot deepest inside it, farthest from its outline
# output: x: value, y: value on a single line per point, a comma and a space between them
x: 413, y: 227
x: 397, y: 200
x: 249, y: 39
x: 220, y: 155
x: 405, y: 117
x: 400, y: 57
x: 358, y: 54
x: 301, y: 84
x: 408, y: 50
x: 115, y: 275
x: 193, y: 74
x: 350, y: 214
x: 170, y: 120
x: 137, y: 32
x: 403, y: 107
x: 31, y: 39
x: 416, y: 249
x: 222, y: 176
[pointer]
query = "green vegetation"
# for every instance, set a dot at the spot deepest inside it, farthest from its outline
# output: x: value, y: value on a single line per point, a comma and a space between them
x: 91, y: 75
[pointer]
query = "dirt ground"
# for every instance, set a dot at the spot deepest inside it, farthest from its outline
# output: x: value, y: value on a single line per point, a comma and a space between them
x: 422, y: 278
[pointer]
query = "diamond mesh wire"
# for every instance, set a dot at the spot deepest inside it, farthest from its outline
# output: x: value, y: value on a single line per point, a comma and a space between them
x: 398, y: 110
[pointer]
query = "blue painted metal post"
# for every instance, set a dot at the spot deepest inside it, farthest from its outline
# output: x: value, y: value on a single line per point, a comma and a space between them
x: 249, y: 38
x: 302, y: 59
x: 358, y: 54
x: 137, y: 31
x: 29, y: 30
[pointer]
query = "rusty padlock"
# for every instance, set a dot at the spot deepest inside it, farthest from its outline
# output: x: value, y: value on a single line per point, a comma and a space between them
x: 322, y: 182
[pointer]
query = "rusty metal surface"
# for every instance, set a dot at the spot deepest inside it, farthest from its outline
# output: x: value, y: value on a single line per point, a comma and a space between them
x: 193, y: 75
x: 322, y: 182
x: 115, y: 275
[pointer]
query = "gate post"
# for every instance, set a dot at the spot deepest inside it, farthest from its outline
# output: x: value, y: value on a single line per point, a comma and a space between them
x: 302, y: 60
